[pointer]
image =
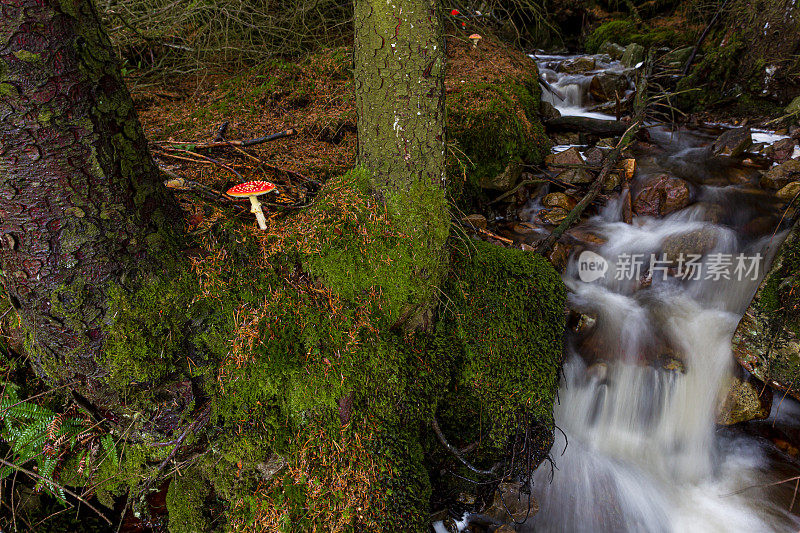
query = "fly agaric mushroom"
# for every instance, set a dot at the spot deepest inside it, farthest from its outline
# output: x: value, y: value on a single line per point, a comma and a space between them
x: 252, y: 190
x: 475, y: 38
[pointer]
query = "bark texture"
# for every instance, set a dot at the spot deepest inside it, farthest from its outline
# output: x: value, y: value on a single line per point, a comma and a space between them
x: 399, y: 76
x: 399, y: 80
x: 81, y: 206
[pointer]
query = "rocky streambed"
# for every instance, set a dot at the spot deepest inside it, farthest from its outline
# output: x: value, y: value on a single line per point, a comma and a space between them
x: 663, y: 426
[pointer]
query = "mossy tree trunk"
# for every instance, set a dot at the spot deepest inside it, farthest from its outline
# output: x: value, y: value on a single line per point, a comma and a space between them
x: 82, y: 211
x: 399, y: 78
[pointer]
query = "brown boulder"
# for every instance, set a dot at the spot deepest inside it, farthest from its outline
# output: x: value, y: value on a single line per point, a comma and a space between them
x: 608, y: 86
x: 559, y: 199
x: 780, y: 151
x: 781, y: 175
x: 788, y: 193
x: 661, y: 196
x: 566, y: 158
x: 733, y: 142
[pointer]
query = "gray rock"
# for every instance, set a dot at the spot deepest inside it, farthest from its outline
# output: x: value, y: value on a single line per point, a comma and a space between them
x: 678, y: 57
x: 505, y: 180
x: 733, y: 142
x: 608, y: 85
x: 576, y: 176
x: 579, y: 65
x: 634, y: 54
x: 613, y: 50
x: 548, y: 111
x: 697, y: 242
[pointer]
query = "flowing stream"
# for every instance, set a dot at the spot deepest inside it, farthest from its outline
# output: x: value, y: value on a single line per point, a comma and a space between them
x: 644, y: 453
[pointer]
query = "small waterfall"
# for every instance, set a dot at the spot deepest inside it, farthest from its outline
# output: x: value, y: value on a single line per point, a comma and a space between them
x: 643, y: 453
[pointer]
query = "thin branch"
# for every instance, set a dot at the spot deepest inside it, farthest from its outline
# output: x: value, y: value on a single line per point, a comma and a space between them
x: 453, y: 450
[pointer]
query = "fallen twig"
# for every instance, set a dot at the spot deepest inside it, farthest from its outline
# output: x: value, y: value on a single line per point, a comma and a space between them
x: 179, y: 183
x: 220, y: 143
x: 482, y: 231
x: 453, y: 450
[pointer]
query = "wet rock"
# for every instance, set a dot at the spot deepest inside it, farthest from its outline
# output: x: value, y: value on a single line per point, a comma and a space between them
x: 661, y: 196
x: 526, y: 247
x: 697, y: 242
x: 559, y: 199
x: 511, y: 504
x: 477, y: 221
x: 593, y: 156
x: 579, y: 65
x: 788, y: 193
x: 505, y: 180
x: 613, y: 50
x: 780, y: 176
x: 598, y: 371
x: 608, y: 143
x: 732, y: 143
x: 766, y: 340
x: 553, y: 216
x: 744, y: 401
x: 586, y: 237
x: 780, y: 151
x: 760, y: 226
x: 548, y: 111
x: 566, y: 158
x: 576, y: 176
x: 567, y: 138
x: 525, y: 228
x: 633, y: 55
x: 793, y: 107
x: 613, y: 181
x: 558, y: 256
x: 608, y: 85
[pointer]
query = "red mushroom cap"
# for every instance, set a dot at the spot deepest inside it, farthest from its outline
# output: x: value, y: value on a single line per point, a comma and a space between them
x: 455, y: 13
x: 250, y: 188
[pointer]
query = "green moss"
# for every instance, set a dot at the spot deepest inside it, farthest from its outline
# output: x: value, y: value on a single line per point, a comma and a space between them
x: 710, y: 81
x: 625, y: 32
x: 506, y: 327
x: 28, y: 57
x: 493, y: 125
x: 148, y: 333
x: 186, y: 503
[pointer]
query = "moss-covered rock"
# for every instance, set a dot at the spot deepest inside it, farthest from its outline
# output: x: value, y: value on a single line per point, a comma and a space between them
x: 767, y: 340
x: 492, y: 119
x: 625, y: 32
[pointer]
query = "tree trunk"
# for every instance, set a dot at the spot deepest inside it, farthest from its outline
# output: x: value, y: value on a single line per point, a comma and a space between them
x: 82, y: 210
x: 399, y: 80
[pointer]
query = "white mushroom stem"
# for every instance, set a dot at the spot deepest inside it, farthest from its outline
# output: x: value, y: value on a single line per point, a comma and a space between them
x: 255, y: 207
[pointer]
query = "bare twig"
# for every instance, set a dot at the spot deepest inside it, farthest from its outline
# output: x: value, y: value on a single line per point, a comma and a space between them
x: 453, y: 450
x: 190, y: 146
